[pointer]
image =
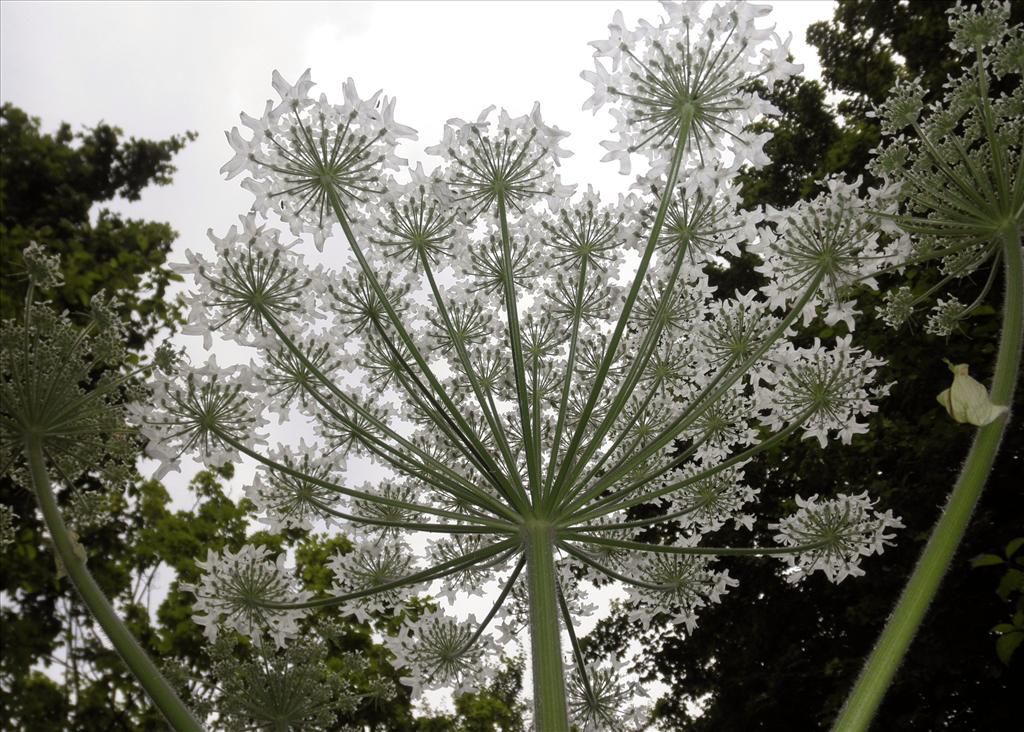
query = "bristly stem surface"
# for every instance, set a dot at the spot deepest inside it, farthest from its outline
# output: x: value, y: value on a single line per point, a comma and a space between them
x: 899, y: 631
x: 178, y: 716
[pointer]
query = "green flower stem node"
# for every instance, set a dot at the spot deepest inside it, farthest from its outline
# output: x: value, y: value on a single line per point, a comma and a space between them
x: 178, y: 716
x: 549, y: 702
x: 881, y: 665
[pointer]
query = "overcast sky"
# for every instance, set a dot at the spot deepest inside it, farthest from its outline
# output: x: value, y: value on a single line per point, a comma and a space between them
x: 163, y: 68
x: 157, y: 69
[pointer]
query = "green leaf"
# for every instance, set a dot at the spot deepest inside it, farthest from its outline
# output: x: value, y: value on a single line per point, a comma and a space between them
x: 1007, y: 644
x: 1013, y: 546
x: 1012, y: 581
x: 986, y: 560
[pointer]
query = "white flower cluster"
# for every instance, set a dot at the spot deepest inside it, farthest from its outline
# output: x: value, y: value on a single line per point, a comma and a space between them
x: 706, y: 504
x: 234, y: 589
x: 945, y: 317
x: 254, y: 278
x: 829, y: 389
x: 8, y: 532
x: 602, y: 700
x: 842, y: 531
x: 294, y: 496
x: 438, y: 651
x: 688, y: 68
x: 955, y: 163
x: 514, y: 156
x: 834, y: 242
x: 369, y: 567
x: 206, y: 410
x: 303, y: 147
x: 674, y: 586
x: 514, y: 361
x: 43, y: 270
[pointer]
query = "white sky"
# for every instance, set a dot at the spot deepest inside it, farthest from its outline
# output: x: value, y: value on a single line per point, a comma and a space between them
x: 157, y: 69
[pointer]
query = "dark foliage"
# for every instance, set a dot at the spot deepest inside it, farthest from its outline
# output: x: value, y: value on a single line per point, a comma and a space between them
x: 49, y: 186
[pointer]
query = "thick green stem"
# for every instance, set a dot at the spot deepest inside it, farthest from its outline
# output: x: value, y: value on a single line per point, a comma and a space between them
x: 139, y: 663
x: 549, y: 704
x: 892, y: 644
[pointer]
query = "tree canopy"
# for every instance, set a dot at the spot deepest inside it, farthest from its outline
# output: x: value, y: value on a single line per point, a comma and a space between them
x: 50, y: 188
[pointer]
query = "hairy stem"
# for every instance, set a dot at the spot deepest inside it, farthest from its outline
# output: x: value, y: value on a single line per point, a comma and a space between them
x: 549, y: 704
x: 138, y: 661
x: 885, y: 658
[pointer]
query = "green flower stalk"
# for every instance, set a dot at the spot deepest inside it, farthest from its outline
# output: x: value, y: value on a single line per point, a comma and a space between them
x: 962, y: 177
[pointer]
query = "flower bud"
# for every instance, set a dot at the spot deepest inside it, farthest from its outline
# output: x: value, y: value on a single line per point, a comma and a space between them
x: 967, y: 400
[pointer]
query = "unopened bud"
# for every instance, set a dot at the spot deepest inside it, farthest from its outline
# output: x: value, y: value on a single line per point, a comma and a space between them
x: 967, y: 400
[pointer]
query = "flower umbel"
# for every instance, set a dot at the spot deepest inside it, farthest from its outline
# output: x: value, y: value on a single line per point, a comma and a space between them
x: 304, y: 150
x: 519, y: 378
x: 845, y: 529
x: 210, y: 413
x: 235, y: 588
x: 64, y: 385
x: 440, y: 652
x: 690, y: 76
